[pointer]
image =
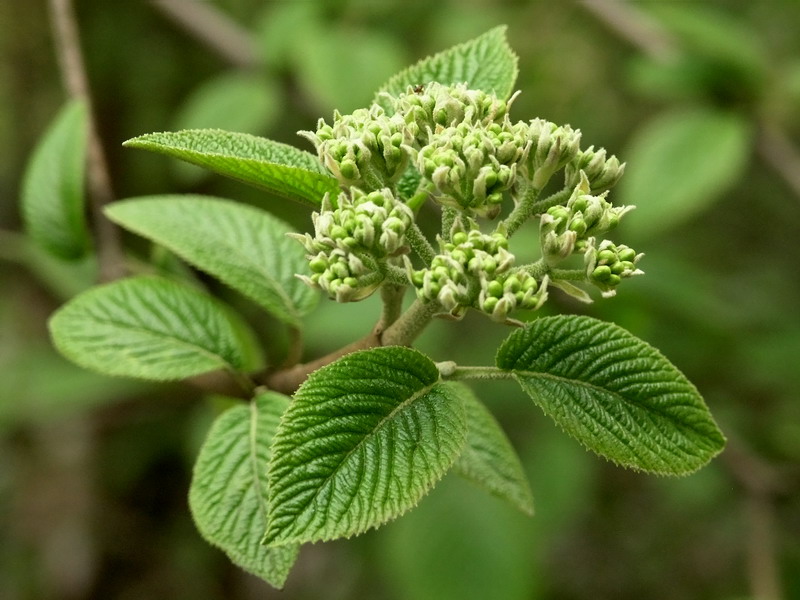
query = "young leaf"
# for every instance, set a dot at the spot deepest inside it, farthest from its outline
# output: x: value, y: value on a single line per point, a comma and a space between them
x: 278, y: 168
x: 614, y: 393
x: 488, y: 457
x: 245, y: 247
x: 680, y: 164
x: 486, y: 63
x: 363, y: 440
x: 52, y: 187
x: 147, y: 328
x: 228, y: 494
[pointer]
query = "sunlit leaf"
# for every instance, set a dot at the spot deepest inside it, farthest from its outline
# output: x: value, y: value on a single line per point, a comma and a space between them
x: 148, y: 328
x: 245, y: 247
x: 278, y: 168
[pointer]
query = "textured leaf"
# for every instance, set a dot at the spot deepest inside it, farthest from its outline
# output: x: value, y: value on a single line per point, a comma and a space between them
x: 488, y: 457
x: 614, y: 393
x: 679, y: 165
x: 275, y: 167
x: 233, y: 101
x: 228, y: 494
x: 486, y: 63
x: 243, y: 246
x: 148, y: 328
x: 363, y: 440
x: 52, y: 188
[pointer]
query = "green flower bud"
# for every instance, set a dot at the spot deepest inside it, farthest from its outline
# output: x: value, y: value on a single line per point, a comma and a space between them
x: 607, y: 265
x: 548, y: 148
x: 603, y: 173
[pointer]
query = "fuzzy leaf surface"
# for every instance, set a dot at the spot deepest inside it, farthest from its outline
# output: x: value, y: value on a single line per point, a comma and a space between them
x: 52, y: 187
x: 613, y: 392
x: 228, y: 493
x: 489, y: 459
x: 363, y: 441
x: 278, y: 168
x: 486, y: 63
x: 148, y: 328
x: 245, y: 247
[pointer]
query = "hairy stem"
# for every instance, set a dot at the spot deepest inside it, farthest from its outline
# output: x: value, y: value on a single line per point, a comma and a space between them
x: 420, y: 244
x: 522, y: 211
x: 449, y: 216
x: 392, y: 297
x: 552, y: 200
x: 452, y: 371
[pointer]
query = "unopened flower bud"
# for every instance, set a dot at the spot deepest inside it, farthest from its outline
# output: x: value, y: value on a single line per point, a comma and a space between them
x: 603, y: 173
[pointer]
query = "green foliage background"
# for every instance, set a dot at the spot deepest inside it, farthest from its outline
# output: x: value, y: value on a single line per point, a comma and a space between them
x: 94, y: 471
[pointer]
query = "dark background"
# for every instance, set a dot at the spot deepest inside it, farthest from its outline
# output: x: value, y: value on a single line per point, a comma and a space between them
x: 702, y: 99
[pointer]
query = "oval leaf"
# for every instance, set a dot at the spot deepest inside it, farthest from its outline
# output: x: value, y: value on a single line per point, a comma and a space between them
x: 278, y: 168
x: 488, y: 457
x: 363, y: 440
x: 228, y: 494
x: 243, y: 246
x: 52, y: 187
x: 148, y: 328
x: 680, y: 164
x: 614, y: 393
x: 486, y: 63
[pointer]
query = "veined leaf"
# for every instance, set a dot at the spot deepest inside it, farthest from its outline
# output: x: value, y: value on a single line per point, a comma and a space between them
x: 148, y: 328
x: 363, y: 440
x: 486, y: 63
x: 244, y: 247
x: 228, y: 494
x: 52, y: 188
x: 488, y: 457
x: 278, y: 168
x: 613, y: 392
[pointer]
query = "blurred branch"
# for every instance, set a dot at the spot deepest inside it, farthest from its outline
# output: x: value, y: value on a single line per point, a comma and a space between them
x: 761, y: 482
x: 634, y: 25
x: 777, y: 150
x: 630, y: 23
x: 75, y: 81
x: 213, y: 28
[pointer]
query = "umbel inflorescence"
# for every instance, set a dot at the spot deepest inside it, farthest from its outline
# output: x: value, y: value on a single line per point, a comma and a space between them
x: 459, y: 148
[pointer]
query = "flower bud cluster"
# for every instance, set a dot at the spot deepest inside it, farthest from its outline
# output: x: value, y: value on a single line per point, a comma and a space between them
x: 366, y: 149
x: 475, y: 270
x: 434, y: 106
x: 566, y: 229
x: 548, y: 148
x: 607, y: 264
x: 371, y: 223
x: 603, y: 173
x: 471, y: 165
x: 342, y: 275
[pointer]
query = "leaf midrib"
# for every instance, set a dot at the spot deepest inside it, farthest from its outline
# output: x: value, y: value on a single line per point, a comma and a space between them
x: 355, y: 448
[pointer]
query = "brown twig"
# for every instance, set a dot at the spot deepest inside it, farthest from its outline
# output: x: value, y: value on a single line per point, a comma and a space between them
x: 213, y: 28
x: 73, y: 73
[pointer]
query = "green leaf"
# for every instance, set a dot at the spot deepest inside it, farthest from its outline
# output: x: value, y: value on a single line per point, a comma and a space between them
x: 245, y: 247
x: 278, y: 168
x: 614, y: 393
x: 488, y: 457
x: 486, y: 63
x: 233, y: 101
x: 679, y: 165
x: 52, y: 187
x: 363, y: 441
x: 228, y: 494
x: 148, y: 328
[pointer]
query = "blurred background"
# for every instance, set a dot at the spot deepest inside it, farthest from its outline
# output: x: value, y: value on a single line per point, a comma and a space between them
x: 702, y: 99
